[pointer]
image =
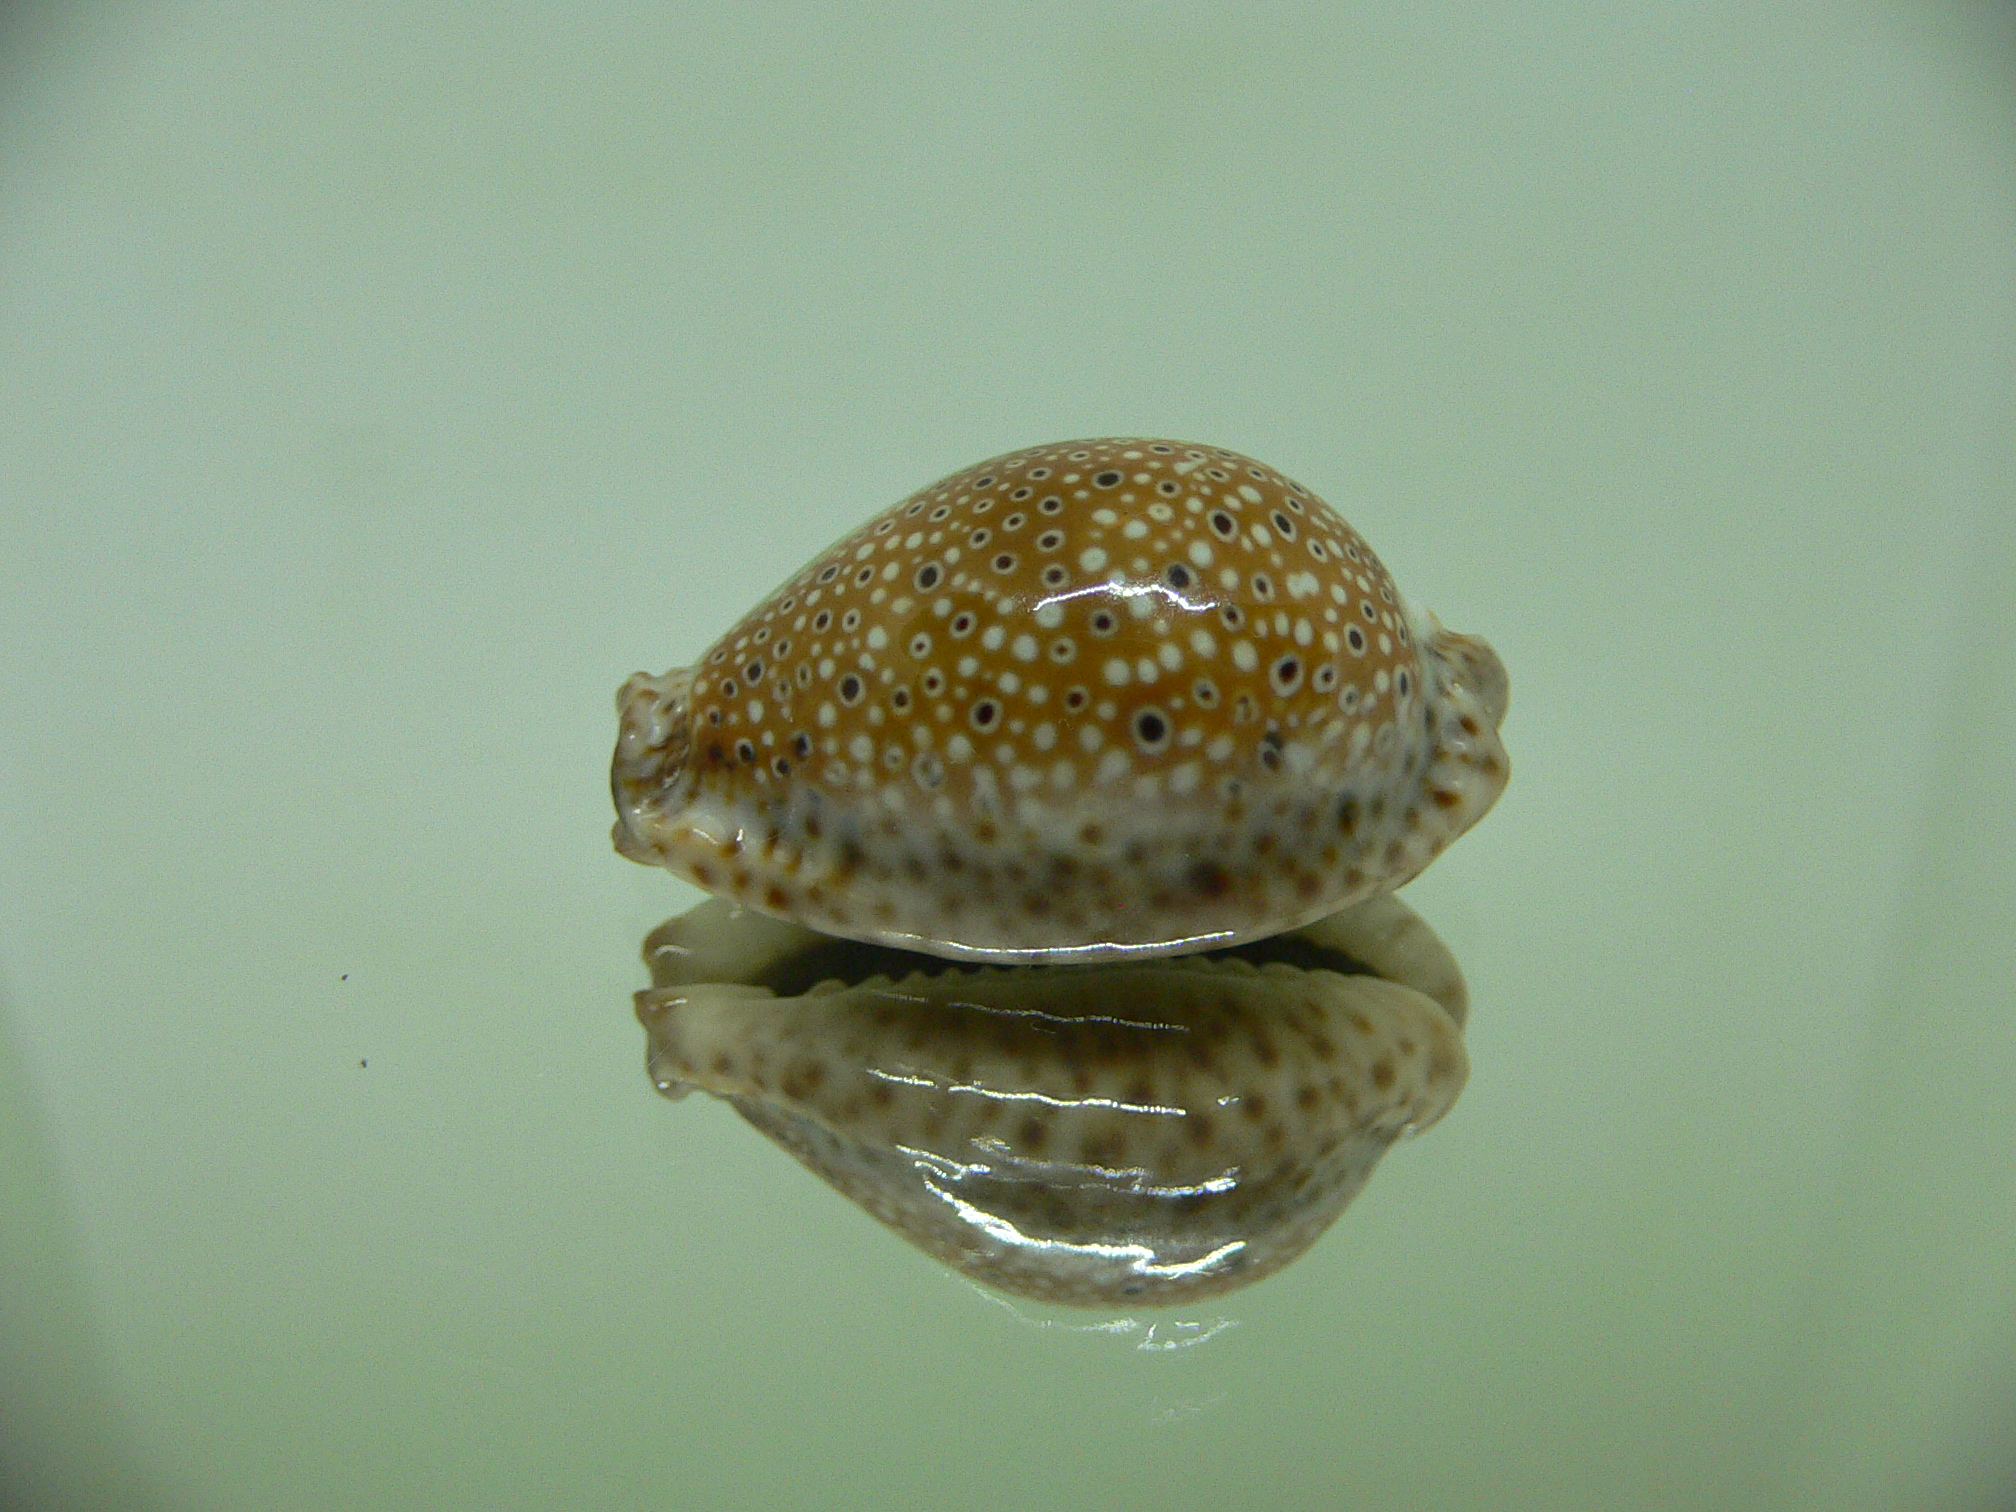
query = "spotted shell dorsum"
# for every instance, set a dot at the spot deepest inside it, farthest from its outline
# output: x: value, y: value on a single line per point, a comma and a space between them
x: 1085, y: 700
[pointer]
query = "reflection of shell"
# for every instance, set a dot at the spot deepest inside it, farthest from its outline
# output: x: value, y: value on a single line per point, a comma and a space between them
x: 1101, y: 698
x: 1148, y: 1131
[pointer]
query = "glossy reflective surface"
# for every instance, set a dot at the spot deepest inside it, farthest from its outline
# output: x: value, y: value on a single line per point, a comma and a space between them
x: 1103, y: 698
x: 379, y: 384
x: 1149, y: 1132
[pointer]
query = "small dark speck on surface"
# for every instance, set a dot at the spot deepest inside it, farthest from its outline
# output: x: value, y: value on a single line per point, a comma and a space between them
x: 346, y: 976
x: 362, y: 1064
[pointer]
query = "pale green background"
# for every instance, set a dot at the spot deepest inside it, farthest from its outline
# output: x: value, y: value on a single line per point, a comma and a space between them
x: 380, y: 384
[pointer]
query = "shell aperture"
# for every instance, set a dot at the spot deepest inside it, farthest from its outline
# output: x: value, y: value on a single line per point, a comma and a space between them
x: 1086, y: 701
x: 1137, y: 1132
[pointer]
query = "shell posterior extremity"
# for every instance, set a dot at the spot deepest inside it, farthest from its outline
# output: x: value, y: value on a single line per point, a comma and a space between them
x: 1084, y: 701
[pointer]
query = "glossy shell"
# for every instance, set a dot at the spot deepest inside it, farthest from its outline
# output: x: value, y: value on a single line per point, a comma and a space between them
x: 1136, y: 1132
x: 1085, y: 700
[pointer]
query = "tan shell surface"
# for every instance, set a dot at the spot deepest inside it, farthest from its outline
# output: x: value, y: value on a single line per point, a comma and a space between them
x: 1141, y: 1131
x: 1084, y: 700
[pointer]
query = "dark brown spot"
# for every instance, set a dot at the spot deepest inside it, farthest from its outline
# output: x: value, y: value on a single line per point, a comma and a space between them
x: 1210, y: 879
x: 1264, y: 1049
x: 1033, y: 1135
x: 1102, y: 1147
x: 849, y: 860
x: 1382, y: 1074
x: 804, y: 1080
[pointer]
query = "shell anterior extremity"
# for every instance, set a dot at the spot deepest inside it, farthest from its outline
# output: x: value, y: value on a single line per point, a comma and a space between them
x: 1085, y: 700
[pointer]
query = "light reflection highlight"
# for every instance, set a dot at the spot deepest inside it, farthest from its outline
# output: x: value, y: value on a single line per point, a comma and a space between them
x: 973, y: 1089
